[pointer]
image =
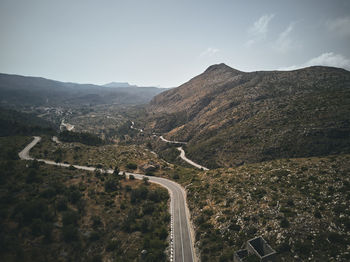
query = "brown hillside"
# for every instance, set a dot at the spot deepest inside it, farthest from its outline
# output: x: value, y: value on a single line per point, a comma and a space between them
x: 230, y: 117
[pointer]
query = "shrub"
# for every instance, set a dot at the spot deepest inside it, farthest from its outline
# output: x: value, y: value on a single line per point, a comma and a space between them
x: 96, y: 221
x: 149, y: 173
x: 145, y: 225
x: 284, y: 223
x: 70, y: 233
x: 158, y: 195
x: 96, y: 258
x: 94, y: 236
x: 235, y: 227
x: 48, y: 193
x: 145, y: 180
x: 116, y: 171
x: 131, y: 166
x: 290, y: 202
x: 84, y: 138
x: 36, y: 227
x: 73, y: 194
x: 32, y: 177
x: 138, y: 194
x: 70, y: 218
x: 61, y: 204
x: 122, y: 176
x: 32, y: 210
x: 112, y: 245
x: 317, y: 214
x: 111, y: 185
x: 335, y: 237
x: 163, y: 233
x: 284, y: 247
x: 148, y: 207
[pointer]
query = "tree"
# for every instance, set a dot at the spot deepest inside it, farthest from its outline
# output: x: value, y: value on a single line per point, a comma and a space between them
x: 70, y: 218
x: 145, y: 180
x: 111, y: 185
x: 131, y: 166
x: 70, y: 233
x: 116, y: 171
x: 32, y: 177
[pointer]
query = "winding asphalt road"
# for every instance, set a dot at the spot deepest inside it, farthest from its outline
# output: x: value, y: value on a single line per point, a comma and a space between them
x: 183, y: 156
x: 182, y: 153
x: 181, y: 231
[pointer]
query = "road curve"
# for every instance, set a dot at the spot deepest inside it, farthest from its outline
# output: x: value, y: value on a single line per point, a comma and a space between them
x: 172, y: 142
x: 182, y: 153
x: 183, y: 157
x: 181, y: 232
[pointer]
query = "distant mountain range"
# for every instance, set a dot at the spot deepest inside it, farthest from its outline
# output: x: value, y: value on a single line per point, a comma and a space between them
x: 19, y: 90
x: 231, y: 117
x: 119, y: 84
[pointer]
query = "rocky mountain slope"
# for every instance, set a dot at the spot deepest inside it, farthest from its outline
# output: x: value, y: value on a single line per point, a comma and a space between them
x: 231, y: 117
x: 300, y: 206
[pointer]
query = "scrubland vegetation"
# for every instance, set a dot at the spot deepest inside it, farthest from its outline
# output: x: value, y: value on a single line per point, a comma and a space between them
x: 58, y: 214
x: 300, y: 206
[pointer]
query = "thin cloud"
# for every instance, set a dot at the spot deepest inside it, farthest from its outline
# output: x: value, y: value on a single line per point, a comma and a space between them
x: 259, y: 29
x: 285, y: 42
x: 325, y: 59
x: 209, y: 52
x: 340, y: 25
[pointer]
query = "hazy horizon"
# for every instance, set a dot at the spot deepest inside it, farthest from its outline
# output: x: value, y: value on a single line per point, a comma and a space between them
x: 166, y: 43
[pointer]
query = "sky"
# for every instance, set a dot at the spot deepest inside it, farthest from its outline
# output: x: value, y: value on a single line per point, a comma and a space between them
x: 167, y: 42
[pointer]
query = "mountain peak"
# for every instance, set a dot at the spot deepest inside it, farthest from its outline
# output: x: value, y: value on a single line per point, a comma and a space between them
x: 220, y: 67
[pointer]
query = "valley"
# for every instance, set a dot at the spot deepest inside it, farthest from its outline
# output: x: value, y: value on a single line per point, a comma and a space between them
x: 175, y: 131
x: 241, y: 155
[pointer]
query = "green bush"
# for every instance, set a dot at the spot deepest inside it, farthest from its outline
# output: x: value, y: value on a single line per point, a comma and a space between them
x: 32, y: 210
x: 61, y: 204
x: 94, y: 236
x: 131, y: 166
x: 48, y: 193
x: 111, y: 185
x: 145, y: 180
x: 162, y: 233
x: 158, y: 195
x: 70, y: 233
x: 96, y: 221
x: 84, y: 138
x: 73, y: 194
x: 334, y: 237
x: 96, y: 258
x: 284, y: 223
x: 138, y: 194
x: 112, y: 245
x: 70, y: 218
x: 148, y: 207
x: 32, y: 177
